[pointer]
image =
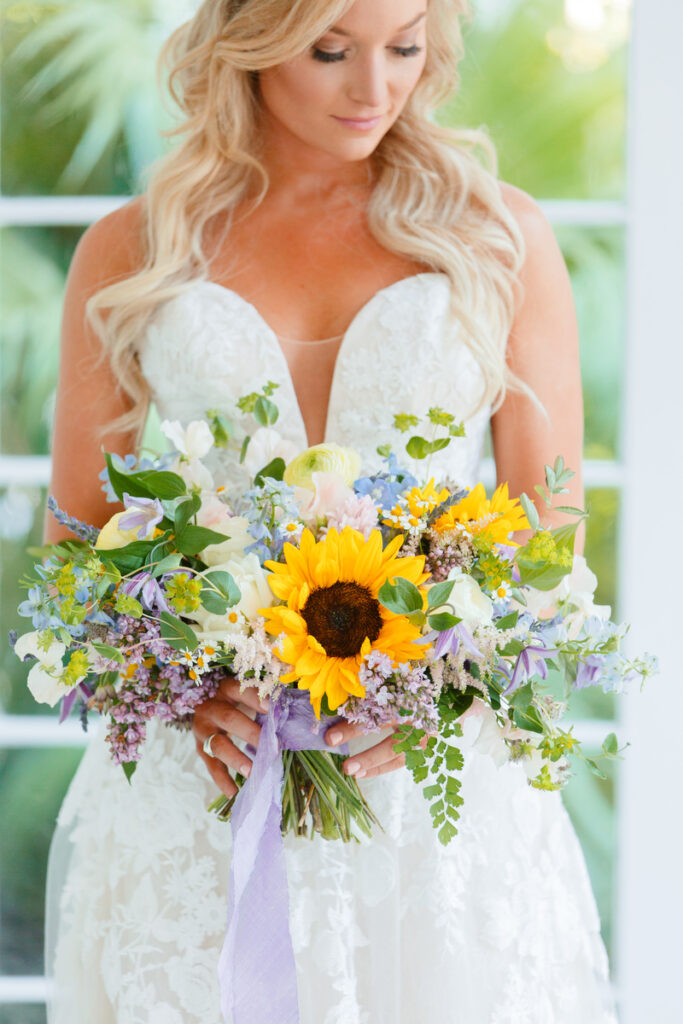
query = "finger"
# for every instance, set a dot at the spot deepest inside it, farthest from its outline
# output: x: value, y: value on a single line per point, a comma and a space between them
x: 378, y: 754
x: 223, y: 749
x: 382, y: 769
x: 222, y: 715
x: 230, y: 690
x: 219, y: 773
x: 342, y: 732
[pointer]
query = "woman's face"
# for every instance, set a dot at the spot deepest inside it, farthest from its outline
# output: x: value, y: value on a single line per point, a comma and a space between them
x: 343, y: 95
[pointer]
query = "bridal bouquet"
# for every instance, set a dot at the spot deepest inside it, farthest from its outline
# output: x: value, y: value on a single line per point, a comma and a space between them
x: 378, y: 599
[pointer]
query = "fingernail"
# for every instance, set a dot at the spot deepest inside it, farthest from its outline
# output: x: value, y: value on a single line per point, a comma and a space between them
x: 361, y: 773
x: 352, y: 767
x: 245, y: 769
x: 333, y: 738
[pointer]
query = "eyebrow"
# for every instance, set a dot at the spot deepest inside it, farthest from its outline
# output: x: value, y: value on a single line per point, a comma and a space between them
x: 343, y: 32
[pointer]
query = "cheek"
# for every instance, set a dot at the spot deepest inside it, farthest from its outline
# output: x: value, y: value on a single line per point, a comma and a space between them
x: 297, y: 91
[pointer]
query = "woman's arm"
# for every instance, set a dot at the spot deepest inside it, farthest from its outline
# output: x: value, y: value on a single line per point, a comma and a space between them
x: 87, y: 395
x: 543, y: 349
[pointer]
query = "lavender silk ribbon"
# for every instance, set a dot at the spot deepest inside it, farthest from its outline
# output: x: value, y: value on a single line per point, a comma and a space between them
x: 256, y: 968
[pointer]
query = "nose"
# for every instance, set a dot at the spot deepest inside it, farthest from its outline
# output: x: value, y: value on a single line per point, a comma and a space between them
x: 369, y: 87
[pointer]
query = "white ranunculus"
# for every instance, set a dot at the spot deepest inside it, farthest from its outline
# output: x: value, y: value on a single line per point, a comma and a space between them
x: 252, y: 580
x: 469, y: 602
x: 43, y: 681
x: 323, y: 458
x: 214, y: 515
x: 193, y: 441
x: 267, y: 444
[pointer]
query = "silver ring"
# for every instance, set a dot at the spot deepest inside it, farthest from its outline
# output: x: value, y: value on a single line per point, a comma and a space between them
x: 207, y: 744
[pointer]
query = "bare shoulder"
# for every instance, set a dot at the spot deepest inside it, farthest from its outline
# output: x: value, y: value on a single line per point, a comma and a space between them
x: 543, y: 262
x: 110, y: 249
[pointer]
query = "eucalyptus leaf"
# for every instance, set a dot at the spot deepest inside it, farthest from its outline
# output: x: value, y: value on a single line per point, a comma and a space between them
x: 266, y: 413
x: 439, y: 593
x: 177, y: 633
x: 443, y: 620
x: 401, y: 597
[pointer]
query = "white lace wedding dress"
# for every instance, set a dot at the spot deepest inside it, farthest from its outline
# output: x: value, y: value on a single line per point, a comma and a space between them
x: 500, y: 927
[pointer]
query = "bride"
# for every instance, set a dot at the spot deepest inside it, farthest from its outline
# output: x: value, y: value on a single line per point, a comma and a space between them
x: 316, y: 227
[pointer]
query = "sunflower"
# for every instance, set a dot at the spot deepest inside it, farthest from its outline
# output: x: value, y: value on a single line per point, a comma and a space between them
x: 416, y: 503
x: 332, y: 617
x: 495, y: 519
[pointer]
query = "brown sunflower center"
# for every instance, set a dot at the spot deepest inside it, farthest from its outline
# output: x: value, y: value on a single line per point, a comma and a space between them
x: 341, y: 616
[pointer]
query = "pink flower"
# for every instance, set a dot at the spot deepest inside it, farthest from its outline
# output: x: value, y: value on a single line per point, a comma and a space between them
x: 358, y: 511
x: 329, y: 494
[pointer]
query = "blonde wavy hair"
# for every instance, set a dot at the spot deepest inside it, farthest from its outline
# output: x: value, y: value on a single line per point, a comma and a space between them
x: 434, y: 200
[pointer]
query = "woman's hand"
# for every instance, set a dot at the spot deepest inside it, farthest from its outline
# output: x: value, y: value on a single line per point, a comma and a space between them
x: 376, y: 760
x: 223, y: 716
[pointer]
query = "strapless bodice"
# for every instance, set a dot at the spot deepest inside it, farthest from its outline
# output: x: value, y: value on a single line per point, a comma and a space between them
x: 402, y: 353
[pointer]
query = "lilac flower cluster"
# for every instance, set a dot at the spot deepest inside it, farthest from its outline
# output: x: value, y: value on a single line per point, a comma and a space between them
x: 390, y: 692
x: 155, y: 689
x: 446, y: 551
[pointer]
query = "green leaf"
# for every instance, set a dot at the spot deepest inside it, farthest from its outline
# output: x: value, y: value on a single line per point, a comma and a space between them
x: 129, y: 769
x: 243, y: 450
x: 454, y: 759
x: 443, y: 620
x: 220, y: 427
x: 213, y: 602
x: 594, y: 768
x: 129, y: 558
x: 225, y: 584
x: 530, y: 511
x: 415, y: 758
x: 570, y: 510
x: 610, y: 744
x: 527, y: 719
x: 384, y: 450
x: 508, y: 621
x: 172, y: 561
x: 265, y: 412
x: 185, y: 511
x: 447, y: 832
x: 457, y: 430
x: 162, y: 484
x: 522, y: 697
x: 420, y: 447
x: 109, y: 652
x: 439, y: 593
x: 275, y: 470
x: 194, y: 539
x: 177, y: 633
x: 401, y: 597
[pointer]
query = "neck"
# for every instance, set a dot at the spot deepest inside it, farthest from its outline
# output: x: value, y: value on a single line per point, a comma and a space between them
x: 304, y: 173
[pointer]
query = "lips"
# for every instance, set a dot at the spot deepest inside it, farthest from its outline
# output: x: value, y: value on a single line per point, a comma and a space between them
x: 359, y: 122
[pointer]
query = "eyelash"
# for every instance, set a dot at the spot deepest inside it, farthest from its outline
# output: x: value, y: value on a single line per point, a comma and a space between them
x: 331, y: 58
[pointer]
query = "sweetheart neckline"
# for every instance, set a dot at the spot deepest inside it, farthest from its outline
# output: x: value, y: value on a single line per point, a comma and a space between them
x: 273, y: 337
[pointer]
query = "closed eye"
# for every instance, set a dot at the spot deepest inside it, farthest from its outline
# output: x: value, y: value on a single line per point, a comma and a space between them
x: 330, y: 56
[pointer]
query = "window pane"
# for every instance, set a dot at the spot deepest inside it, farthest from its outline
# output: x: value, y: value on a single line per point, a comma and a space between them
x: 596, y: 261
x: 590, y: 802
x: 22, y: 1014
x: 548, y: 81
x: 21, y: 524
x: 34, y: 266
x: 65, y: 130
x: 32, y: 786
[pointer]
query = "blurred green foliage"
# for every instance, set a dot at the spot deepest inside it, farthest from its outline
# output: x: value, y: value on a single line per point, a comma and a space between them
x: 81, y: 115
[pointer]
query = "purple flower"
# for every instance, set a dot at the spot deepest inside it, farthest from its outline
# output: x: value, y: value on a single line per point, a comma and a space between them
x: 530, y: 661
x: 152, y: 594
x: 147, y: 512
x: 449, y: 642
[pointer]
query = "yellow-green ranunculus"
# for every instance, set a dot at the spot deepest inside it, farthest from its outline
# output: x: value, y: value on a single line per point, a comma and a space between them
x: 111, y: 536
x: 323, y: 458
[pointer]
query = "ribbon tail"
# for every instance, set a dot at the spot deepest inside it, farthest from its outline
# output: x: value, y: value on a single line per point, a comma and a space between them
x: 257, y: 970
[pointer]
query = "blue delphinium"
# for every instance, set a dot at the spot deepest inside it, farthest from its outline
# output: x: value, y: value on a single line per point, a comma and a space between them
x: 384, y: 488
